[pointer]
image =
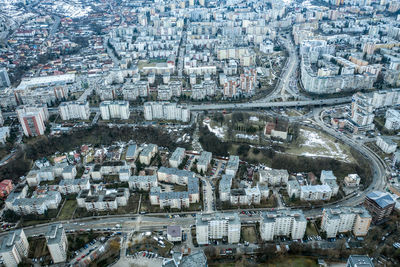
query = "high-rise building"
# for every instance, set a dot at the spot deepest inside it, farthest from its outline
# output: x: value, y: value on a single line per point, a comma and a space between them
x: 283, y: 223
x: 57, y: 243
x: 218, y: 226
x: 114, y: 110
x: 14, y: 248
x: 1, y: 118
x: 379, y: 204
x: 32, y: 119
x: 4, y: 79
x: 74, y: 110
x: 345, y: 219
x: 359, y: 261
x: 166, y: 111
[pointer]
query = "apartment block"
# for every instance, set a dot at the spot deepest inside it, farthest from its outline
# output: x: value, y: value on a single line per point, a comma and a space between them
x: 392, y: 119
x: 274, y: 177
x: 177, y: 157
x: 218, y: 226
x: 32, y: 119
x: 233, y: 165
x: 37, y: 204
x: 315, y: 192
x: 73, y: 186
x: 379, y: 204
x: 148, y: 152
x: 204, y: 161
x: 74, y: 110
x: 386, y: 144
x: 102, y: 200
x: 57, y: 243
x: 345, y: 219
x: 290, y: 223
x: 14, y: 247
x: 166, y: 111
x: 114, y: 110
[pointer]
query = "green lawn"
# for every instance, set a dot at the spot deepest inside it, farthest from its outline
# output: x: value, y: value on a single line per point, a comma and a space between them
x: 68, y: 209
x: 293, y: 262
x: 249, y: 234
x: 311, y: 229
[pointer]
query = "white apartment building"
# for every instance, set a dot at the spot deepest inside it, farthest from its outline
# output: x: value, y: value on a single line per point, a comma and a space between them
x: 4, y: 134
x: 293, y: 188
x: 345, y: 219
x: 69, y: 172
x: 328, y: 178
x: 274, y: 177
x: 392, y: 119
x: 114, y: 110
x: 148, y: 152
x: 352, y: 180
x: 290, y: 223
x: 37, y: 204
x: 217, y: 226
x: 57, y: 243
x: 14, y: 247
x: 203, y: 161
x: 32, y: 119
x: 315, y: 192
x: 102, y: 200
x: 177, y: 157
x: 233, y: 165
x: 74, y: 110
x: 143, y: 182
x: 386, y: 144
x: 73, y: 186
x: 166, y: 111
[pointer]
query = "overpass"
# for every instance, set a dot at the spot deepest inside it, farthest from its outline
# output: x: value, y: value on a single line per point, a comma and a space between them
x: 251, y: 105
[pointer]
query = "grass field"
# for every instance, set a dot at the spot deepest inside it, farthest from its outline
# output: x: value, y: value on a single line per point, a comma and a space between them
x: 68, y: 209
x: 249, y: 234
x: 310, y: 230
x: 287, y: 261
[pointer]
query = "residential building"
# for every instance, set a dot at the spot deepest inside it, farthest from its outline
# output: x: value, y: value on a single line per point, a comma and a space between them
x: 379, y: 204
x: 32, y: 119
x: 386, y: 144
x: 359, y: 261
x: 102, y: 200
x: 1, y: 118
x: 197, y: 258
x: 177, y: 157
x: 290, y: 223
x: 225, y: 185
x: 114, y: 110
x: 217, y: 226
x: 166, y: 111
x: 6, y: 186
x: 4, y: 79
x: 392, y: 119
x: 204, y: 161
x: 14, y: 247
x: 274, y: 177
x: 352, y: 180
x: 74, y: 110
x: 57, y: 243
x: 315, y: 192
x: 73, y: 186
x: 124, y: 173
x: 20, y: 191
x: 233, y: 165
x: 143, y: 182
x: 69, y: 172
x: 174, y: 233
x: 345, y: 219
x: 132, y: 152
x: 328, y: 178
x: 148, y: 152
x: 4, y: 134
x: 37, y: 204
x: 293, y: 188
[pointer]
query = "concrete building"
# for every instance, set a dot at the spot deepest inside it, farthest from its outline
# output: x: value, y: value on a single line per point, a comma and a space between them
x: 57, y: 243
x: 103, y: 200
x: 143, y: 182
x: 4, y: 134
x: 148, y: 152
x: 386, y: 144
x: 166, y: 111
x: 315, y: 192
x: 204, y: 161
x: 114, y: 110
x: 4, y: 79
x: 132, y: 152
x: 73, y: 186
x: 359, y: 261
x: 197, y: 258
x: 392, y: 119
x: 217, y: 226
x: 69, y: 172
x: 177, y: 157
x: 293, y: 188
x: 14, y: 247
x: 352, y: 180
x: 174, y: 233
x: 379, y: 204
x: 290, y: 223
x: 37, y: 204
x: 233, y: 165
x: 74, y: 110
x: 32, y: 119
x: 274, y: 177
x: 345, y: 219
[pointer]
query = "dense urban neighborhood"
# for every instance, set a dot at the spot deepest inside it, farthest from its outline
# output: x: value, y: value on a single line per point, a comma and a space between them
x: 200, y: 133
